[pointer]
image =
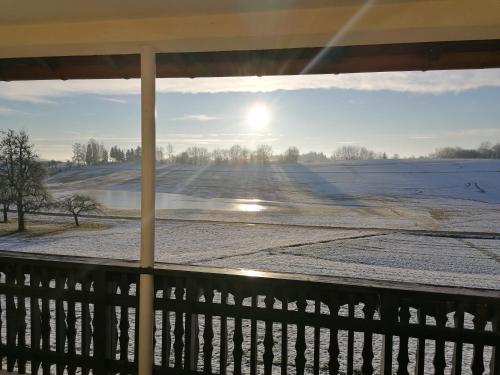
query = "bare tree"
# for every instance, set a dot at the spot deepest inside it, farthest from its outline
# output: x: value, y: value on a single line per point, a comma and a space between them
x: 169, y: 150
x: 6, y: 197
x: 263, y: 154
x: 291, y: 155
x: 352, y: 152
x: 20, y: 167
x: 77, y: 204
x: 160, y: 154
x: 79, y: 153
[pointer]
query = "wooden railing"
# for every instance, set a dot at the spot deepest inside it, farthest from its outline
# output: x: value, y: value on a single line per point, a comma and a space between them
x: 78, y: 315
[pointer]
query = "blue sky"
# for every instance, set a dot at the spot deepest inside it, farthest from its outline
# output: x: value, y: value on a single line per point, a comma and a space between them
x: 404, y: 113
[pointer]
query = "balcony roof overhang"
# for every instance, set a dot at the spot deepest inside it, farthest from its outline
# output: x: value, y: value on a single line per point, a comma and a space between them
x: 193, y: 38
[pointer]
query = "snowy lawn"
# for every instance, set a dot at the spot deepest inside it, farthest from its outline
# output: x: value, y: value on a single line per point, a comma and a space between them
x: 373, y: 254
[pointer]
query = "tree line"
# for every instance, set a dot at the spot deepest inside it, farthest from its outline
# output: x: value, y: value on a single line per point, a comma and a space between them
x: 486, y: 150
x: 95, y: 153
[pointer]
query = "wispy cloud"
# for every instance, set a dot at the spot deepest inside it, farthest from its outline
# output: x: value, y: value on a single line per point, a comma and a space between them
x: 196, y: 117
x: 114, y: 100
x: 7, y: 111
x: 434, y: 82
x: 466, y: 133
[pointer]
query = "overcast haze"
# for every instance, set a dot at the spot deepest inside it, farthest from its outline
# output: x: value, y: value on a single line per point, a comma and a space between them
x: 404, y: 113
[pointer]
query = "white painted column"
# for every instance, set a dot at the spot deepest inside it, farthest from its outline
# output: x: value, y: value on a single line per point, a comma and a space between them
x: 148, y: 164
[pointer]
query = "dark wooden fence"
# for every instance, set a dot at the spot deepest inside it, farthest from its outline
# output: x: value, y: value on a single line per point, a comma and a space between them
x: 77, y: 315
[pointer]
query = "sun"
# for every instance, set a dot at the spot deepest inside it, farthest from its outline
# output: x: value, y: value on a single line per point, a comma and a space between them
x: 258, y: 116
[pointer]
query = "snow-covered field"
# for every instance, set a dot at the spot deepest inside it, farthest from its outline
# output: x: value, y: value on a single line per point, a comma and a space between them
x: 344, y: 218
x: 429, y: 194
x: 420, y: 221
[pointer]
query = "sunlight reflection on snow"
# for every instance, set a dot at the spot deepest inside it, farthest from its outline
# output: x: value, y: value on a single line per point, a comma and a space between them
x: 251, y: 273
x: 243, y: 207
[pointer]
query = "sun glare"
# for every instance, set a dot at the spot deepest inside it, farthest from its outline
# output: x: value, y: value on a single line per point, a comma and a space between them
x: 258, y: 116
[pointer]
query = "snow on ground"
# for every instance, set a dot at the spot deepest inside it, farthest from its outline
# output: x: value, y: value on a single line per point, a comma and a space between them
x: 374, y: 202
x: 428, y: 194
x: 466, y: 180
x: 371, y: 200
x: 354, y: 253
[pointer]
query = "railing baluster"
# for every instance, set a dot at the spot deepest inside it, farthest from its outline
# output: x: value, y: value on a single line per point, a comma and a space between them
x: 124, y: 320
x: 223, y: 334
x: 179, y: 327
x: 166, y: 342
x: 317, y: 332
x: 420, y: 353
x: 333, y: 347
x: 479, y: 325
x: 10, y: 314
x: 45, y: 321
x: 439, y: 353
x: 350, y: 336
x: 136, y: 319
x: 21, y: 320
x: 86, y: 328
x: 59, y: 307
x: 268, y: 336
x: 192, y: 329
x: 367, y: 353
x: 284, y: 336
x: 253, y: 336
x: 71, y: 324
x: 403, y: 358
x: 458, y: 346
x: 36, y: 321
x: 300, y: 345
x: 388, y: 318
x: 60, y: 321
x: 111, y: 321
x: 2, y: 271
x: 237, y: 336
x: 495, y: 352
x: 208, y: 333
x: 156, y: 287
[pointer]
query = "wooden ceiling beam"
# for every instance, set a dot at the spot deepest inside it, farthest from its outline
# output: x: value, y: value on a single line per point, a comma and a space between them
x: 330, y: 60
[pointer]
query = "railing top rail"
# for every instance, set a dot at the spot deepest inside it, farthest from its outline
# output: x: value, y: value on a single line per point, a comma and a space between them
x: 356, y: 285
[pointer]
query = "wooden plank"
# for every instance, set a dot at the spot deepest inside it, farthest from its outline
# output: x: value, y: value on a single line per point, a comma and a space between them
x: 21, y: 319
x: 60, y: 321
x: 456, y: 368
x: 316, y: 338
x: 471, y: 54
x: 223, y: 335
x: 11, y: 317
x: 479, y: 325
x: 284, y: 337
x: 71, y: 325
x: 208, y: 333
x: 238, y: 336
x: 350, y: 337
x: 268, y: 336
x: 86, y: 327
x: 324, y: 284
x: 333, y: 348
x: 403, y: 355
x: 46, y: 318
x: 36, y: 320
x: 367, y: 352
x: 300, y: 345
x: 253, y: 335
x: 179, y: 327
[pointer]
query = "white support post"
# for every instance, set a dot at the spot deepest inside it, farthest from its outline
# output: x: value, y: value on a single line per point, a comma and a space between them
x: 148, y: 165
